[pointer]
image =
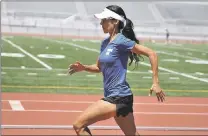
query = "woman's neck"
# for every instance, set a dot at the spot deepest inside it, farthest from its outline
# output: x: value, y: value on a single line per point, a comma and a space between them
x: 113, y: 35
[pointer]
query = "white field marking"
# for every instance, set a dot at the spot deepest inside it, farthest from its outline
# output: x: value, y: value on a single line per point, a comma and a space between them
x: 43, y: 69
x: 61, y: 74
x: 90, y: 75
x: 170, y: 60
x: 150, y: 71
x: 81, y: 40
x: 144, y: 113
x: 15, y: 55
x: 95, y: 41
x: 3, y: 73
x: 181, y: 48
x: 51, y: 56
x: 177, y: 55
x: 16, y: 105
x: 178, y: 73
x: 136, y: 103
x: 174, y: 78
x: 46, y: 47
x: 133, y: 72
x: 71, y: 44
x: 142, y: 63
x: 31, y: 74
x: 199, y: 73
x: 146, y: 77
x: 22, y: 67
x: 27, y: 53
x: 144, y: 72
x: 197, y: 61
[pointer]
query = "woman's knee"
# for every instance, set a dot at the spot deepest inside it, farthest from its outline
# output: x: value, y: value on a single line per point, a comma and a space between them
x: 78, y: 126
x: 80, y: 129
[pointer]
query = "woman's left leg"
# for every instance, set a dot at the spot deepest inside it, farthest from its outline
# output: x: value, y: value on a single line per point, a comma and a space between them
x: 127, y: 124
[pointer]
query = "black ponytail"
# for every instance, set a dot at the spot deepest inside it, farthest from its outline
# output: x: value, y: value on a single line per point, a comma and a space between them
x: 127, y: 31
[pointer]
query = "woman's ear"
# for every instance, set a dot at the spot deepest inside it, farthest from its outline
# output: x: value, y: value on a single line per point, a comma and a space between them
x: 116, y: 22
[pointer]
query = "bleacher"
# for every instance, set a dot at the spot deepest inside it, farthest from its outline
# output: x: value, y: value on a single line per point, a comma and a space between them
x: 150, y: 19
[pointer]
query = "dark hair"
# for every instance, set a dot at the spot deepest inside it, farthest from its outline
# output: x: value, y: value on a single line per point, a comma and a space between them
x: 127, y: 31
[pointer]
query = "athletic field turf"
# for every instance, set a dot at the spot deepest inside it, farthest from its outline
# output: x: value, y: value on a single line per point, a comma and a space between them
x: 32, y: 64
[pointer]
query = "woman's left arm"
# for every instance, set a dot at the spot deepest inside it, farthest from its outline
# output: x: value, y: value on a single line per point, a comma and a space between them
x: 153, y: 58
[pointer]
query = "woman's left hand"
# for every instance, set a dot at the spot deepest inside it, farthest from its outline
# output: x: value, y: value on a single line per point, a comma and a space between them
x: 159, y: 93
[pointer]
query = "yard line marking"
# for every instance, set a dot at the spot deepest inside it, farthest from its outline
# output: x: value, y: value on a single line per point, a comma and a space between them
x: 27, y: 53
x: 16, y: 105
x: 135, y: 103
x: 144, y: 113
x: 142, y: 63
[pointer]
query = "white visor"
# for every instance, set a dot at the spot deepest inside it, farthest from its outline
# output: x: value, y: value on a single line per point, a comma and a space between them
x: 108, y: 13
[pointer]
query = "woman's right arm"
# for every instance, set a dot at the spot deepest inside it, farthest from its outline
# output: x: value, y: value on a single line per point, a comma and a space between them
x: 78, y: 67
x: 95, y: 68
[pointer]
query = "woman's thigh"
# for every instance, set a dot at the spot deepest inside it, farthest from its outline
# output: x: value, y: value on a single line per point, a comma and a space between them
x: 98, y: 111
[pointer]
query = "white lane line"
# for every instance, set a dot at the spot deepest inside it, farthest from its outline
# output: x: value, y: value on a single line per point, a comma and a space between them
x: 27, y: 53
x: 144, y: 113
x: 105, y: 127
x: 142, y: 63
x: 16, y: 105
x: 136, y: 103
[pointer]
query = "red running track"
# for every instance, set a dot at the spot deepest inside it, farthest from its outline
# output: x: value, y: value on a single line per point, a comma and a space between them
x: 62, y: 109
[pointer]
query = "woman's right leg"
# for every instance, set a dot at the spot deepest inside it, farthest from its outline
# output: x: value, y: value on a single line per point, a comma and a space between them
x: 98, y: 111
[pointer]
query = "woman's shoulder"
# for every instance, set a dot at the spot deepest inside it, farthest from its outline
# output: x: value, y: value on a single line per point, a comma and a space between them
x: 122, y: 39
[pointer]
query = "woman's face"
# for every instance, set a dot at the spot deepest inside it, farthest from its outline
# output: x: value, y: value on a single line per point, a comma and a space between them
x: 108, y: 25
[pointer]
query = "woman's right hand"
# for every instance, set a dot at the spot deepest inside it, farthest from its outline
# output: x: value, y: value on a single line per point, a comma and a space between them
x: 76, y: 67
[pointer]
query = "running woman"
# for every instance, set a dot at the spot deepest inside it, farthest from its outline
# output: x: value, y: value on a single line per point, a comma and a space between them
x: 112, y: 62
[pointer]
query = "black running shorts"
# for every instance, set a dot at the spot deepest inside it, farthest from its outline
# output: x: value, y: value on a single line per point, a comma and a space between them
x: 124, y: 105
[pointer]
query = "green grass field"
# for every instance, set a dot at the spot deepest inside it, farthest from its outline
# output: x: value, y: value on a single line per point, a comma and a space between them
x: 180, y: 73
